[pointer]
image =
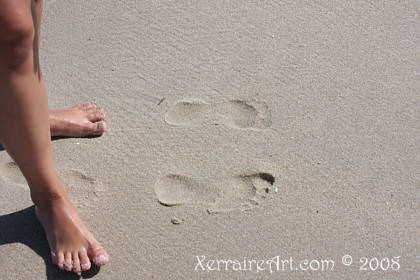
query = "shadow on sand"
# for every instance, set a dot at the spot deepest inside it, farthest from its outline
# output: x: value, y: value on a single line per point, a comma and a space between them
x: 56, y: 138
x: 23, y: 227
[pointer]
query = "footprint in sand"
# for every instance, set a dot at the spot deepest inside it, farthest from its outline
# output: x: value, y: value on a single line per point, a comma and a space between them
x: 80, y: 188
x: 234, y: 113
x: 244, y: 192
x: 173, y: 190
x: 10, y: 173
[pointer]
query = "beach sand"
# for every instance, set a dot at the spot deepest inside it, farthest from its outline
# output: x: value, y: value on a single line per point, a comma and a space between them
x: 238, y: 131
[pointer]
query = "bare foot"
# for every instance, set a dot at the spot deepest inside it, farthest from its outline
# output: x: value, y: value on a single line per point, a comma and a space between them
x: 71, y: 244
x: 78, y: 121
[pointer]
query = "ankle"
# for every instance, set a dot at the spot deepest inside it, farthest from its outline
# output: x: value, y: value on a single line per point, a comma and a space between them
x: 46, y: 198
x: 53, y: 123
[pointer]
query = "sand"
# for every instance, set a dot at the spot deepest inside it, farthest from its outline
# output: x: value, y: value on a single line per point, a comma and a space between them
x: 239, y: 132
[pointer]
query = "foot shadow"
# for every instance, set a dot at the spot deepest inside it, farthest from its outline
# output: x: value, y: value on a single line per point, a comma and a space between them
x: 56, y: 138
x: 23, y: 227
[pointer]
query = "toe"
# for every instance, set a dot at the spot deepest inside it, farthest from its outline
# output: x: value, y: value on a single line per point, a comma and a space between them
x: 92, y: 109
x: 100, y: 257
x: 68, y: 262
x: 84, y: 261
x: 100, y: 116
x: 90, y: 105
x: 85, y: 106
x: 60, y: 260
x: 76, y: 263
x: 97, y: 115
x: 97, y: 128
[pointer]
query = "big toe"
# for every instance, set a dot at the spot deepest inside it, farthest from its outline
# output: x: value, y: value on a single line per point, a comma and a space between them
x: 100, y: 257
x: 97, y: 128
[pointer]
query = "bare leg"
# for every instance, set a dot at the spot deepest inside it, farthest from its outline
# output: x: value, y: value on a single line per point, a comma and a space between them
x: 80, y: 120
x: 25, y: 133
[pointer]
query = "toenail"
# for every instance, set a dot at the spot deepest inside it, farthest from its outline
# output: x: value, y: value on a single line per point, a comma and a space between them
x: 101, y: 259
x: 100, y: 127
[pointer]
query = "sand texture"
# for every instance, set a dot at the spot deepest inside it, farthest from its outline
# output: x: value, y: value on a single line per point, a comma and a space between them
x: 238, y: 130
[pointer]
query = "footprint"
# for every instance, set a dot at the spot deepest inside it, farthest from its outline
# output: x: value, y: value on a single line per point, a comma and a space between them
x: 243, y: 193
x: 81, y: 189
x: 10, y: 172
x: 234, y: 113
x: 174, y: 190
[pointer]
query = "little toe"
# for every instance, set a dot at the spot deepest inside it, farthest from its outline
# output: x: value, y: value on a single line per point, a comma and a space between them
x: 85, y: 262
x: 85, y: 106
x: 60, y: 260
